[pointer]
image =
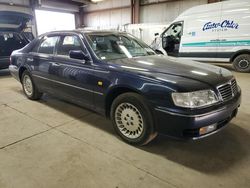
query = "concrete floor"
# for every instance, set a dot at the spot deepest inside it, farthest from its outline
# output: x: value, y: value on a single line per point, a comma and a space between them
x: 51, y: 143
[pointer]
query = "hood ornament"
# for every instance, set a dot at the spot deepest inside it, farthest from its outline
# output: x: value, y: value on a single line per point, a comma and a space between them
x: 220, y: 72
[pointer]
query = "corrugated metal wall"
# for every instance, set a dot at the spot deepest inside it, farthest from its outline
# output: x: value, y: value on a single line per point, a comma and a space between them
x: 117, y: 12
x: 108, y: 13
x: 166, y: 12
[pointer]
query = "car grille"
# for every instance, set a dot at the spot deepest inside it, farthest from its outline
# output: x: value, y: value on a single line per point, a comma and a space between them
x: 229, y: 90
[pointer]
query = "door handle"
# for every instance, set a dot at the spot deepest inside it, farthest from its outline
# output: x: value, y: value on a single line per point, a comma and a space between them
x: 56, y: 64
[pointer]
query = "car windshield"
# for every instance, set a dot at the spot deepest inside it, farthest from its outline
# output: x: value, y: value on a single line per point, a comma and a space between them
x: 117, y: 46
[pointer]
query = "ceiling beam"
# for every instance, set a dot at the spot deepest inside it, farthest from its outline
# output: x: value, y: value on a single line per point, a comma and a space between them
x: 82, y: 1
x: 213, y: 1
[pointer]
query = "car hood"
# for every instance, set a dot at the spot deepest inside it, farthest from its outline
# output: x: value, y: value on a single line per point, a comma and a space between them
x: 13, y: 21
x: 209, y: 74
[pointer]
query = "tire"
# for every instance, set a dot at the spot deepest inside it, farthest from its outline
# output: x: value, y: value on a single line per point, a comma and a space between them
x: 132, y: 119
x: 242, y: 63
x: 29, y: 88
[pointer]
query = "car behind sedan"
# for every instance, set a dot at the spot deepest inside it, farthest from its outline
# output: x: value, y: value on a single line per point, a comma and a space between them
x: 12, y: 35
x: 117, y: 75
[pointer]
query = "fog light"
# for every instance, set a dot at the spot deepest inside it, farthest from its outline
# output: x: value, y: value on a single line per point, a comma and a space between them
x: 208, y: 129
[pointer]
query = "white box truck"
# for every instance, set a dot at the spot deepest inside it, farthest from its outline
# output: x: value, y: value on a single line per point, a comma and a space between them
x: 217, y: 32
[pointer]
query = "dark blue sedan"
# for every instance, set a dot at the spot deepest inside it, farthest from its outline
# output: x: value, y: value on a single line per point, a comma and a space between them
x: 119, y: 76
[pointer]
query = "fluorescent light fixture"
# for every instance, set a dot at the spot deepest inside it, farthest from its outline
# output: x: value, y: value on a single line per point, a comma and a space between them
x: 96, y: 1
x: 165, y: 80
x: 124, y: 49
x: 144, y: 62
x: 237, y: 10
x: 199, y: 73
x: 134, y: 68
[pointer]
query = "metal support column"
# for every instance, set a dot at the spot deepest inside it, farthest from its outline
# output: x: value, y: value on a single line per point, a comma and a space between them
x: 135, y: 11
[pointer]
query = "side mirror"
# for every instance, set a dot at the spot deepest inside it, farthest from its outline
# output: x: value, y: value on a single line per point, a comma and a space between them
x: 156, y: 34
x: 78, y: 54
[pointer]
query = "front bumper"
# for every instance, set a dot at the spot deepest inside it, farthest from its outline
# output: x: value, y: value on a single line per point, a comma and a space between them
x: 187, y: 126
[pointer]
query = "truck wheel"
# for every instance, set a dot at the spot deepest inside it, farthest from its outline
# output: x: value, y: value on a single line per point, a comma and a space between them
x: 242, y: 63
x: 29, y: 88
x: 132, y: 119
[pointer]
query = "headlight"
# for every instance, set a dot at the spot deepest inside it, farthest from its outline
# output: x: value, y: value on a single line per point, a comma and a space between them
x: 195, y: 99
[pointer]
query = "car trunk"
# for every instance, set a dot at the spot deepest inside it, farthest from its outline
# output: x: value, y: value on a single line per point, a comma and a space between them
x: 13, y: 21
x: 12, y: 37
x: 10, y: 41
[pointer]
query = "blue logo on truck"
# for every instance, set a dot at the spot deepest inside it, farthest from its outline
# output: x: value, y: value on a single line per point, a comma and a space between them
x: 226, y: 24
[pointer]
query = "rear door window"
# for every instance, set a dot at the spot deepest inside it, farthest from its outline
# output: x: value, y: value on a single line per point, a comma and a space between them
x: 47, y: 46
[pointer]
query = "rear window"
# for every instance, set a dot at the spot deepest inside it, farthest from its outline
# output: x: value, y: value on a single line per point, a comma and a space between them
x: 10, y: 42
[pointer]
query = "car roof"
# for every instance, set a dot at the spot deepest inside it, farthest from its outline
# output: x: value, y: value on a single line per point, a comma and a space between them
x: 83, y: 31
x: 102, y: 32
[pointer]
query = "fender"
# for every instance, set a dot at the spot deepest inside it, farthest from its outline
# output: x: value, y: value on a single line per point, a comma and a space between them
x: 235, y: 54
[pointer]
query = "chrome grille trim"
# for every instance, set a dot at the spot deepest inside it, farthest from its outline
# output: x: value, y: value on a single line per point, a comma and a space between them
x: 234, y: 86
x: 228, y: 90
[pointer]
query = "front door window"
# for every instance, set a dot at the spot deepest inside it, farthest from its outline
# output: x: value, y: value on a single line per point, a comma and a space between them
x: 67, y: 44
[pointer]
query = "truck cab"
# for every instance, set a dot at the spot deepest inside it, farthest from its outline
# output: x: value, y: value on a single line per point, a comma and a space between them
x: 218, y: 32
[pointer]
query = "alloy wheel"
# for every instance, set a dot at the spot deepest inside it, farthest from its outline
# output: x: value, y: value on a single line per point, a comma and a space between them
x: 27, y: 85
x: 244, y: 63
x: 129, y: 120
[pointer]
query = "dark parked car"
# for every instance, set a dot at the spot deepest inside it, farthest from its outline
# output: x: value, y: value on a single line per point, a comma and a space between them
x: 119, y: 76
x: 12, y: 35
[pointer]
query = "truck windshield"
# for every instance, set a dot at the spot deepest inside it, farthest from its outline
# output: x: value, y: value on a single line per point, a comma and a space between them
x: 117, y: 46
